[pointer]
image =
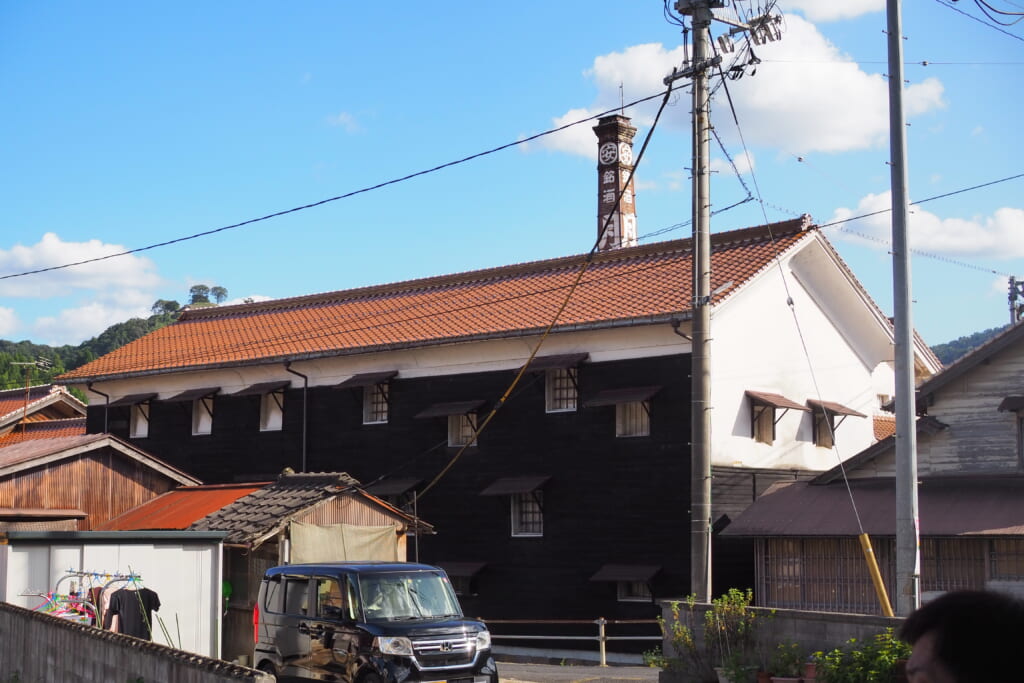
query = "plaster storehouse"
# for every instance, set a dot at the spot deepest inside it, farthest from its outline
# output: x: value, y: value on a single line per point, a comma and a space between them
x: 573, y: 501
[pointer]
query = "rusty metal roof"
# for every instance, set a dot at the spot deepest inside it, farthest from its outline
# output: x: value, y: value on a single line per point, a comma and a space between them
x: 991, y: 505
x: 180, y: 508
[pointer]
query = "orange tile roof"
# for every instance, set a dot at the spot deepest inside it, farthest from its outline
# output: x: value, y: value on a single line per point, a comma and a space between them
x: 13, y: 402
x: 884, y: 426
x: 44, y: 429
x: 624, y: 286
x: 179, y: 508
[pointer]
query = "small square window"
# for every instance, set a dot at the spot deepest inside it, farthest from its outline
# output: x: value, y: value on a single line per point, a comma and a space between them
x: 634, y: 591
x: 528, y: 514
x: 461, y: 429
x: 824, y: 428
x: 138, y: 426
x: 271, y: 411
x: 560, y: 390
x: 633, y: 418
x: 202, y: 416
x: 375, y: 403
x: 762, y: 421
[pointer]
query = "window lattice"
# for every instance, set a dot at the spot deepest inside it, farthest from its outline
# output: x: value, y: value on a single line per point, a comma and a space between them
x: 561, y: 390
x: 527, y: 515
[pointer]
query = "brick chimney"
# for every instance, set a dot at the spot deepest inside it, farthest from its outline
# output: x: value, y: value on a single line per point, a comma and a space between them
x: 614, y: 162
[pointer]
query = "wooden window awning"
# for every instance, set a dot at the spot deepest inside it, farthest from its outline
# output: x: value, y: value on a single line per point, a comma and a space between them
x: 560, y: 362
x: 777, y: 401
x: 834, y: 408
x: 366, y: 379
x: 510, y: 486
x: 1012, y: 404
x: 462, y: 570
x: 132, y: 399
x: 261, y: 388
x: 191, y: 395
x: 610, y: 397
x: 626, y: 572
x: 393, y: 487
x: 452, y: 408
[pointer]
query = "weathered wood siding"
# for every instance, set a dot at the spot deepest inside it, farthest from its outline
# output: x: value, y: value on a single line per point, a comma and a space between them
x: 103, y: 484
x: 979, y: 437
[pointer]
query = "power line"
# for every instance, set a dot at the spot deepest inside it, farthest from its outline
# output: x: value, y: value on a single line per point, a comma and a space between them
x: 980, y: 21
x: 347, y: 195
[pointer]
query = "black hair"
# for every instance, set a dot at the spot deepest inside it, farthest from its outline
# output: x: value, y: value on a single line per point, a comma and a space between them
x: 977, y: 634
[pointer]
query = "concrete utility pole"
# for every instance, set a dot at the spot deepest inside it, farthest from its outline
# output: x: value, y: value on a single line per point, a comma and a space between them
x: 700, y: 429
x: 908, y: 555
x: 700, y: 416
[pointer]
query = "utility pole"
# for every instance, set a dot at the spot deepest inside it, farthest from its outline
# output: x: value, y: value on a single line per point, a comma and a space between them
x: 763, y: 27
x: 700, y: 354
x: 908, y: 555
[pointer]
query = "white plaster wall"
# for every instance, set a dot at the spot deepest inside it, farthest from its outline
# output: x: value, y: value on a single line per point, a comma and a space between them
x: 759, y: 344
x: 481, y: 356
x: 187, y: 578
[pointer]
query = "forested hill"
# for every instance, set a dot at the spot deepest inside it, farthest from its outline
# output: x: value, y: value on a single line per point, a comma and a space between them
x: 950, y: 351
x: 46, y: 362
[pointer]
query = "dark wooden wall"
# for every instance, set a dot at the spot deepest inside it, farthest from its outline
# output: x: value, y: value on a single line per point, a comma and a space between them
x: 608, y: 500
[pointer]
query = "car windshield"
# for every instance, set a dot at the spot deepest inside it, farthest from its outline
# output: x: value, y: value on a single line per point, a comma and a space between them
x: 397, y: 596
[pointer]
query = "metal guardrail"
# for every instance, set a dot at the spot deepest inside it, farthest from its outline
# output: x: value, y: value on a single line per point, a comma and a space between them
x: 602, y: 636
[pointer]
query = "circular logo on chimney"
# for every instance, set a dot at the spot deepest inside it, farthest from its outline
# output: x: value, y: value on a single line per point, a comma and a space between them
x: 625, y: 152
x: 608, y: 153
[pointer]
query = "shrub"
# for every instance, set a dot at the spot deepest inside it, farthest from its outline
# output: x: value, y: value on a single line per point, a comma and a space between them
x: 872, y: 661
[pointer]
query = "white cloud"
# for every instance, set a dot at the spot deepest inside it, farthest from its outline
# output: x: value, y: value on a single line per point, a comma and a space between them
x: 817, y: 10
x: 247, y: 299
x: 110, y: 275
x: 989, y: 237
x: 74, y: 325
x: 806, y: 96
x: 346, y: 121
x: 8, y: 322
x: 744, y: 162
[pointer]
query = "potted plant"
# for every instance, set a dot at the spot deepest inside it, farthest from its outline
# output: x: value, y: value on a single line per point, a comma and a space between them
x: 787, y: 662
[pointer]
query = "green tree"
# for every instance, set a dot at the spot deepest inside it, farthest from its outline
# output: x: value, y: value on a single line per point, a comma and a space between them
x: 219, y: 294
x: 199, y: 294
x: 165, y: 307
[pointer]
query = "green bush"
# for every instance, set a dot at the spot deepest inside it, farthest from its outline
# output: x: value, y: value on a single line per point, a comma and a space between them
x: 871, y: 661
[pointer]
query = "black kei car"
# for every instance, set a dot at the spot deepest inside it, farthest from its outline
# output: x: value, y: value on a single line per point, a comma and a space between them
x: 367, y: 622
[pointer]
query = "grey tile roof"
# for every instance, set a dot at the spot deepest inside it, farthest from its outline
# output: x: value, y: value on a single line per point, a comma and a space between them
x: 261, y: 514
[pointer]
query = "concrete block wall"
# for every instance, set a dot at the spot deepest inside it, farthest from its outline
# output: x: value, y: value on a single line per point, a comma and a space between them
x: 812, y: 630
x: 41, y: 648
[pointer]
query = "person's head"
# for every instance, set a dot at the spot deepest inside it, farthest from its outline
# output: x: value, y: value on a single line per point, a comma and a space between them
x: 966, y: 637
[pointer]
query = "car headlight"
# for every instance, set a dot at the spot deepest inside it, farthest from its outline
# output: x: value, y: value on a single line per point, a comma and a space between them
x: 394, y: 645
x: 483, y: 640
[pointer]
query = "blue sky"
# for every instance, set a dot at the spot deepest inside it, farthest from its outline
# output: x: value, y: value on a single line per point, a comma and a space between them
x: 128, y: 124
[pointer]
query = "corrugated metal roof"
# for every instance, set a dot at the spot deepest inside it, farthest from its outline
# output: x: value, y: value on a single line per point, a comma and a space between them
x: 180, y: 508
x: 649, y: 283
x: 948, y: 506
